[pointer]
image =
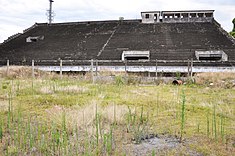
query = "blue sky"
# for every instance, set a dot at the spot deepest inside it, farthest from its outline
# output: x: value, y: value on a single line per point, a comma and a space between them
x: 17, y: 15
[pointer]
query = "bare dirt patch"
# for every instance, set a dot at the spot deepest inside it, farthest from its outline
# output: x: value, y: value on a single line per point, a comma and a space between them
x: 159, y: 145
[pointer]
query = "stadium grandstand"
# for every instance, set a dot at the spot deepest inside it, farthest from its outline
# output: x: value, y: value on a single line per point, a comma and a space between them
x: 167, y: 41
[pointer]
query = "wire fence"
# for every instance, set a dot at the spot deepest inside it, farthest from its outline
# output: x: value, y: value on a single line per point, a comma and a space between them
x: 155, y: 67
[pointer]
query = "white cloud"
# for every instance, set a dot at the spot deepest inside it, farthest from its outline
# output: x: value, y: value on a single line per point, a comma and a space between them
x: 17, y: 15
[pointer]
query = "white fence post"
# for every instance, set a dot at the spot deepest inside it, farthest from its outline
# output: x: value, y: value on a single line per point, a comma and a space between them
x: 92, y: 74
x: 8, y: 64
x: 33, y: 69
x: 96, y: 68
x: 61, y: 65
x: 192, y: 68
x: 125, y: 67
x: 188, y: 68
x: 156, y: 68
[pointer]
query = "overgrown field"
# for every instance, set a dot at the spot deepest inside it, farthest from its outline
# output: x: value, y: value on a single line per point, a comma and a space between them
x: 72, y: 116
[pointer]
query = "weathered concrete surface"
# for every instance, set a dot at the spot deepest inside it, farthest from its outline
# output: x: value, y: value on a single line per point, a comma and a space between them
x: 170, y: 69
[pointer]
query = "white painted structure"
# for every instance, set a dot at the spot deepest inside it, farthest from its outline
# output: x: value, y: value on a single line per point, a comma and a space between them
x: 163, y: 69
x: 177, y: 16
x: 135, y: 54
x: 212, y: 54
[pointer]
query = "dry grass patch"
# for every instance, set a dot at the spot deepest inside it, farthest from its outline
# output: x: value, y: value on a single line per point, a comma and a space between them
x: 4, y: 105
x: 24, y: 72
x: 84, y: 117
x: 225, y: 79
x: 66, y: 89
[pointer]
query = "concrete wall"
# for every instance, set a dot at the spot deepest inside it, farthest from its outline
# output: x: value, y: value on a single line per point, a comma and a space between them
x: 153, y: 17
x: 187, y: 19
x: 168, y: 69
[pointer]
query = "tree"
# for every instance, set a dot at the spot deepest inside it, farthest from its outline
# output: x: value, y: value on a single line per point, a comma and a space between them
x: 233, y: 25
x: 232, y: 33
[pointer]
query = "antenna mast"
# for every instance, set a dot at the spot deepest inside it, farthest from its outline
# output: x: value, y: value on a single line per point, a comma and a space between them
x: 50, y: 12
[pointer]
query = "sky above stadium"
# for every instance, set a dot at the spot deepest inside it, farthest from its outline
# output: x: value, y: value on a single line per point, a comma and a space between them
x: 17, y: 15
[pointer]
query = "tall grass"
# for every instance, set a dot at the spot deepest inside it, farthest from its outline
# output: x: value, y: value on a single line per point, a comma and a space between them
x: 97, y: 126
x: 222, y: 124
x: 182, y: 123
x: 10, y: 109
x: 1, y: 129
x: 137, y: 124
x: 214, y: 122
x: 208, y: 123
x: 26, y: 129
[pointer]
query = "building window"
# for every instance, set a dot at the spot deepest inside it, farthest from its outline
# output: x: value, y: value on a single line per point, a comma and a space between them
x: 155, y: 17
x: 146, y: 15
x: 193, y: 15
x: 34, y: 39
x: 200, y: 14
x: 212, y: 57
x: 209, y: 14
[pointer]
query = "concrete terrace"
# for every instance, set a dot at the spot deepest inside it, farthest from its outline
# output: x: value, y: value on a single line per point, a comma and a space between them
x: 175, y: 38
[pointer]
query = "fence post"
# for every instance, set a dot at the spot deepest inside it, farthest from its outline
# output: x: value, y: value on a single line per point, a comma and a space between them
x: 125, y: 61
x: 33, y: 69
x: 156, y: 68
x: 96, y: 67
x: 8, y: 64
x: 92, y: 74
x: 188, y: 68
x: 61, y: 65
x: 192, y: 68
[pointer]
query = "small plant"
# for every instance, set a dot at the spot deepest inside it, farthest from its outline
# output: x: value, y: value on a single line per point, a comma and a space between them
x: 178, y: 74
x: 208, y: 124
x: 153, y: 153
x: 136, y: 125
x: 214, y: 122
x: 222, y: 123
x: 64, y: 132
x: 10, y: 110
x: 97, y: 128
x: 108, y: 141
x: 198, y: 126
x: 119, y: 80
x: 1, y: 130
x: 132, y: 80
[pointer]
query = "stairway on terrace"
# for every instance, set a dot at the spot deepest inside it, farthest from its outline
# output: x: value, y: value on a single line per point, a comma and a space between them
x: 167, y: 41
x: 61, y: 41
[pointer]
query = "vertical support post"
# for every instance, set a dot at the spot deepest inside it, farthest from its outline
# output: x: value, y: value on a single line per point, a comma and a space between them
x: 96, y: 68
x: 8, y: 64
x: 61, y: 65
x: 188, y: 68
x: 33, y: 69
x: 191, y: 69
x: 125, y: 67
x: 156, y: 68
x: 92, y: 74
